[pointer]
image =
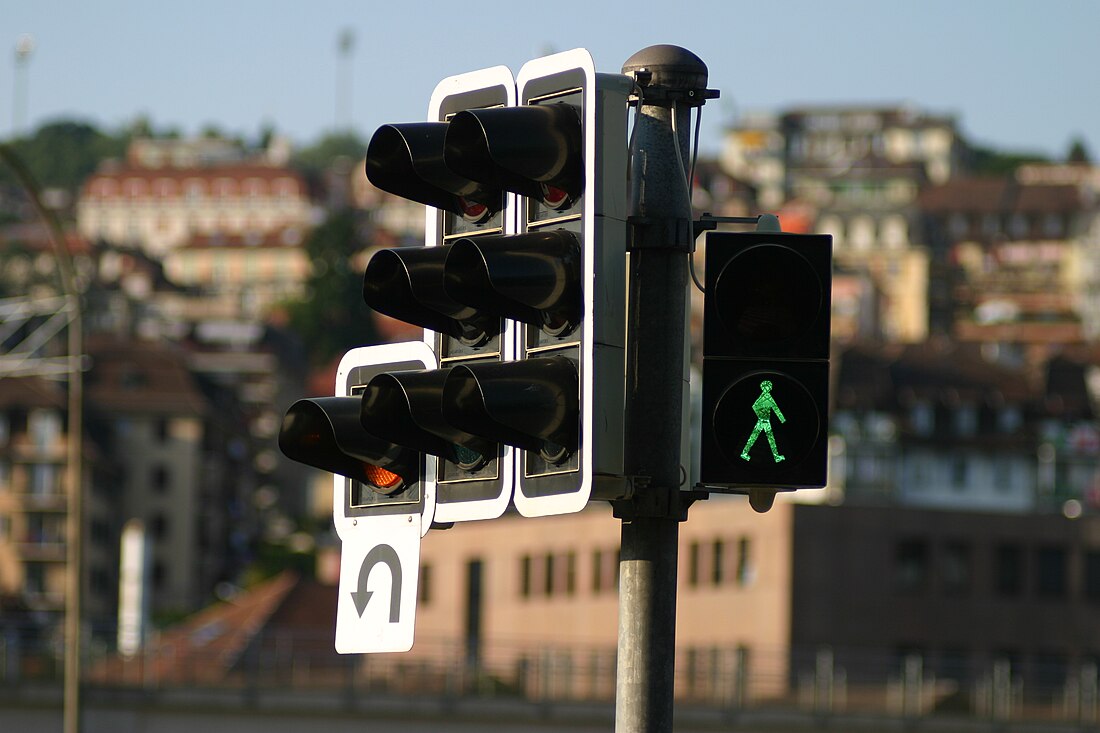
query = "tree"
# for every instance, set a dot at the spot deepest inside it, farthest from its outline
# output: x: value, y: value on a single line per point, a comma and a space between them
x: 1078, y: 151
x: 993, y: 162
x: 331, y: 316
x: 63, y: 153
x: 317, y: 158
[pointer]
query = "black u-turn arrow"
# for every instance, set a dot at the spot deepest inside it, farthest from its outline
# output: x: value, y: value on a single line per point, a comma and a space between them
x: 361, y: 597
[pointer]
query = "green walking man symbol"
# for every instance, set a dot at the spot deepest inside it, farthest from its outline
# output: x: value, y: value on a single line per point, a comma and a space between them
x: 763, y: 407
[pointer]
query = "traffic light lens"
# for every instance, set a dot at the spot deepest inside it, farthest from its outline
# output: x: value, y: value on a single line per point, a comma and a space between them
x: 768, y: 293
x: 556, y: 198
x: 468, y: 459
x: 381, y: 480
x: 474, y: 212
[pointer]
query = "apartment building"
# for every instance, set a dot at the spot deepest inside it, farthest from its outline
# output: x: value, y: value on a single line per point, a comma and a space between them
x: 159, y: 209
x: 185, y: 460
x: 35, y: 500
x: 856, y: 172
x: 1015, y: 259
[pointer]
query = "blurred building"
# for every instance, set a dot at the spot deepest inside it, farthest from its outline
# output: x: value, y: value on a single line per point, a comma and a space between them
x: 965, y: 427
x: 247, y: 274
x: 159, y: 445
x: 34, y: 504
x: 185, y: 465
x: 856, y: 172
x: 1013, y: 261
x: 160, y: 209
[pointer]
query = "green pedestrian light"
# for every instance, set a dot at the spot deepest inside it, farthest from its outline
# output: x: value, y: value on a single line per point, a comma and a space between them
x: 765, y: 361
x: 763, y: 407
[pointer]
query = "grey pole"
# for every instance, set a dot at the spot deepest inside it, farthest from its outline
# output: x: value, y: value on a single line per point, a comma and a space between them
x: 671, y: 81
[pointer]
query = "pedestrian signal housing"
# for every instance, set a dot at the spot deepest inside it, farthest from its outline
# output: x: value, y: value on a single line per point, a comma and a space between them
x: 766, y: 360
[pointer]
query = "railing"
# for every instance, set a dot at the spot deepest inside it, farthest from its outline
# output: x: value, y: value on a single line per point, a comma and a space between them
x: 730, y: 681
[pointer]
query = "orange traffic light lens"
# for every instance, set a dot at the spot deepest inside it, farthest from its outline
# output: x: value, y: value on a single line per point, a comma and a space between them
x: 381, y: 479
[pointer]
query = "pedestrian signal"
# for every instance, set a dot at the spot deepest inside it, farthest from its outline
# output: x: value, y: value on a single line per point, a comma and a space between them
x: 765, y: 361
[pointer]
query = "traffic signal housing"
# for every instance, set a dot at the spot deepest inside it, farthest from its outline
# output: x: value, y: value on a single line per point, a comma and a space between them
x: 559, y: 281
x: 766, y: 361
x: 376, y: 472
x: 525, y: 309
x: 474, y: 473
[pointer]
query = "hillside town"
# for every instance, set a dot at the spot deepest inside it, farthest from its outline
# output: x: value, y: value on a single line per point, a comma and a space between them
x: 219, y: 281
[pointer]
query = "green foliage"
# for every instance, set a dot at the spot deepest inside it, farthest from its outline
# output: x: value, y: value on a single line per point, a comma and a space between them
x: 331, y: 316
x: 317, y: 158
x: 991, y: 162
x: 272, y: 559
x: 1078, y: 152
x: 63, y: 153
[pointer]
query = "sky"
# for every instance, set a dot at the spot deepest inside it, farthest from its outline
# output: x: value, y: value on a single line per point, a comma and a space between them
x: 1020, y: 75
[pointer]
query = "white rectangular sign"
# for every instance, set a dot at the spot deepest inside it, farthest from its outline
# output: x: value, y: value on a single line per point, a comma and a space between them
x: 379, y: 571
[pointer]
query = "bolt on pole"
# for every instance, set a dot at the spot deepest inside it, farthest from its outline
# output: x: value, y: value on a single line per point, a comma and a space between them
x: 670, y: 82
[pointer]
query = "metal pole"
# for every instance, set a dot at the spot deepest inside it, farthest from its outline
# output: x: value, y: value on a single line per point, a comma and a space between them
x: 671, y: 81
x: 74, y: 519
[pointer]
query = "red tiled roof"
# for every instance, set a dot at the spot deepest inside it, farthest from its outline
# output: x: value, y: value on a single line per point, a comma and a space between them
x: 275, y: 239
x: 207, y: 646
x: 999, y: 195
x: 31, y: 392
x: 141, y: 377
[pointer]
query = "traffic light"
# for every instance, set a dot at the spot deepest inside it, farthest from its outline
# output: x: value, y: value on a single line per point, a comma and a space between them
x: 474, y: 474
x: 522, y: 296
x: 563, y: 152
x: 766, y: 360
x: 374, y: 474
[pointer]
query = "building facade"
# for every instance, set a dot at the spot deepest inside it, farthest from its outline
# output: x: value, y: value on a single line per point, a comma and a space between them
x: 160, y: 209
x: 855, y: 173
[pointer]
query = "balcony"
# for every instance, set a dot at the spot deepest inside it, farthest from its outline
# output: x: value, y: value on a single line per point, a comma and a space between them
x: 45, y: 501
x: 51, y: 549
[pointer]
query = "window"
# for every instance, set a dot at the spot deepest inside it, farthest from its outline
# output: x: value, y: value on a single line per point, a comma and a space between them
x: 525, y: 576
x: 1092, y: 575
x: 548, y: 575
x: 693, y: 564
x: 966, y: 420
x: 34, y: 578
x: 1050, y: 670
x: 1002, y: 475
x: 159, y: 479
x: 571, y: 573
x: 1008, y: 572
x: 1010, y: 419
x: 159, y: 575
x: 954, y: 664
x: 956, y: 575
x: 160, y: 427
x: 958, y: 225
x: 895, y: 232
x: 5, y: 430
x: 922, y: 418
x: 960, y: 471
x: 5, y: 526
x: 1050, y: 580
x: 718, y: 568
x: 744, y: 561
x: 911, y: 565
x: 158, y: 527
x: 44, y: 427
x: 605, y: 570
x: 424, y: 585
x: 45, y: 480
